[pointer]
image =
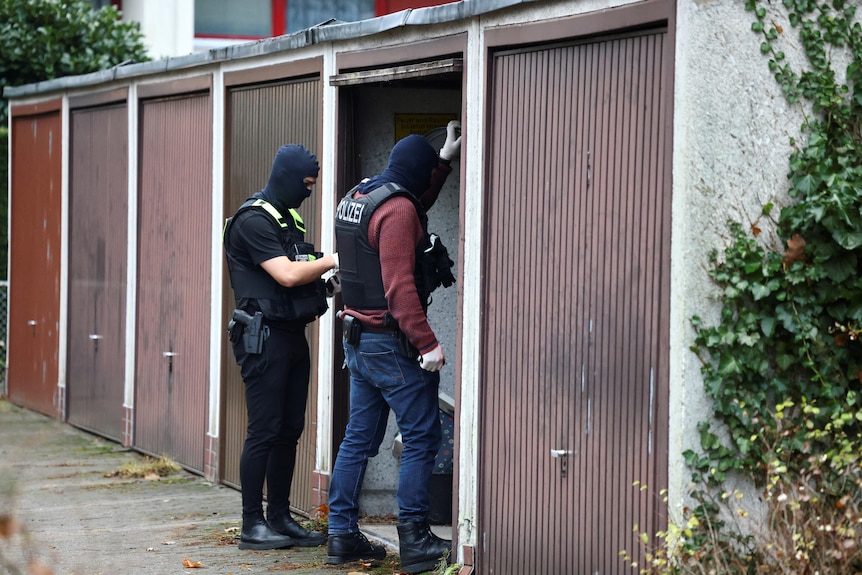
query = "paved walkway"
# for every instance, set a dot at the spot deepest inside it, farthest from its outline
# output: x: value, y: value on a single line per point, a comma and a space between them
x: 73, y: 518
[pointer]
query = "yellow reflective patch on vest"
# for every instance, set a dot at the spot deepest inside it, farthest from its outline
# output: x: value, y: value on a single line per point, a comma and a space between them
x: 297, y: 220
x: 270, y: 209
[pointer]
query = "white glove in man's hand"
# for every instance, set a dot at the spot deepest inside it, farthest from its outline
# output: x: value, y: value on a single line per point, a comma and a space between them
x: 452, y: 146
x: 335, y: 257
x: 433, y: 360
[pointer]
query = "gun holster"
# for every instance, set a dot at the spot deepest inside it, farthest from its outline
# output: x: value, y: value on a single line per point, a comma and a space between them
x: 406, y: 348
x: 352, y: 329
x: 250, y: 328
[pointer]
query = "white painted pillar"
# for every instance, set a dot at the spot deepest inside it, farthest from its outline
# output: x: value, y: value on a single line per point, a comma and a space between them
x: 168, y: 26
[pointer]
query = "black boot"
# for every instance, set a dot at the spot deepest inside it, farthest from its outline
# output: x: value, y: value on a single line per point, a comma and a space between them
x: 352, y: 547
x: 285, y: 524
x: 257, y: 534
x: 420, y: 549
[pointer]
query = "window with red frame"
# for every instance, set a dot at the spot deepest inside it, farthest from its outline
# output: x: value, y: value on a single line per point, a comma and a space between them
x: 255, y: 19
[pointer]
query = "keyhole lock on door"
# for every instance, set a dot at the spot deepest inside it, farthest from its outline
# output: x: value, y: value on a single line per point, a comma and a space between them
x: 563, y: 456
x: 170, y: 357
x: 95, y: 337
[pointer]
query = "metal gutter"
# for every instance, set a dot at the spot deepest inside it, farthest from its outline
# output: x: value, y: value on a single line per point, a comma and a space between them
x: 329, y: 31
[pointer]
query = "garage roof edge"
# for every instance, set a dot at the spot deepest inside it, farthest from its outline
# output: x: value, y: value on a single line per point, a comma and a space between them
x: 329, y: 31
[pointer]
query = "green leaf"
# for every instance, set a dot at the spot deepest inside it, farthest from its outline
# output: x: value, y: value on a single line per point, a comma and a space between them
x: 849, y: 240
x: 729, y: 365
x: 841, y: 267
x: 806, y: 184
x: 760, y: 291
x: 767, y: 325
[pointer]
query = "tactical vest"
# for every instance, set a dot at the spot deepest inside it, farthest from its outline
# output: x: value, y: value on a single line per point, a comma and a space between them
x: 359, y: 263
x: 254, y: 287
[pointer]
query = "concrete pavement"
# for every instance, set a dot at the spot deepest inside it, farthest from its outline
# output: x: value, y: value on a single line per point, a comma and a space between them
x: 72, y: 517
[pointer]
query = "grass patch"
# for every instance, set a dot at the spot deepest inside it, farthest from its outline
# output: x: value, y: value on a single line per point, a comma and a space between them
x: 148, y: 468
x: 177, y: 480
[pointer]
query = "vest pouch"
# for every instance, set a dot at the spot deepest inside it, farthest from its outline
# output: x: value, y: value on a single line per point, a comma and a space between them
x: 309, y: 300
x: 434, y: 267
x: 303, y: 252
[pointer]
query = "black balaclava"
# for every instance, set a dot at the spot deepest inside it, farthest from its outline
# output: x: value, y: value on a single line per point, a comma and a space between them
x: 410, y: 165
x: 285, y: 189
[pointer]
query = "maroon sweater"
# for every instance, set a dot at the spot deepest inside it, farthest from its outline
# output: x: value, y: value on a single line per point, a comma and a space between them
x: 395, y: 232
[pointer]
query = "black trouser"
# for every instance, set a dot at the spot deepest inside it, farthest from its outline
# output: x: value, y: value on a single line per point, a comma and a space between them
x: 276, y: 391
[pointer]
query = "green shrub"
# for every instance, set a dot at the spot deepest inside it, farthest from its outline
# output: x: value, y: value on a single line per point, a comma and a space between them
x: 45, y: 39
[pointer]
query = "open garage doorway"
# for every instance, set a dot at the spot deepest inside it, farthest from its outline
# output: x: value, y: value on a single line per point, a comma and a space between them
x: 378, y: 105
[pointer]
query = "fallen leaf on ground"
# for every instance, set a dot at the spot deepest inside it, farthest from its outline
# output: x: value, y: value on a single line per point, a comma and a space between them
x: 231, y: 530
x: 167, y: 543
x: 36, y: 568
x: 151, y: 548
x: 187, y: 563
x: 8, y: 526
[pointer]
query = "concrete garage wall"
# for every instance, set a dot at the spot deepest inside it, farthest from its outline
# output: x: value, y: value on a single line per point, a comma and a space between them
x: 732, y: 129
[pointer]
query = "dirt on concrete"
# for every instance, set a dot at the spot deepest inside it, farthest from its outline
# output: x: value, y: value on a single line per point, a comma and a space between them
x: 65, y: 511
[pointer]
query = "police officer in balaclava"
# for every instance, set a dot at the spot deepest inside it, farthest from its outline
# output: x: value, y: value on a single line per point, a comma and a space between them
x: 276, y: 278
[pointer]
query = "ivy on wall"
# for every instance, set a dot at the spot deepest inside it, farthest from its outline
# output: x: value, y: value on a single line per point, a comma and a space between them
x: 790, y: 322
x: 782, y: 364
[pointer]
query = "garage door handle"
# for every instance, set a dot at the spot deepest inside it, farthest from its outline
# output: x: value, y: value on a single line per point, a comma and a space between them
x: 95, y: 336
x: 170, y: 357
x: 563, y: 456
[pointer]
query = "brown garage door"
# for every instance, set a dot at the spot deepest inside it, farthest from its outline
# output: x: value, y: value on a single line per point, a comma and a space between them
x: 98, y: 223
x: 261, y: 118
x: 173, y: 307
x: 34, y: 271
x: 574, y: 375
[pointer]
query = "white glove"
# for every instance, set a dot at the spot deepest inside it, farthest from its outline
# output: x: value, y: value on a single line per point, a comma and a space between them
x: 433, y: 360
x: 452, y: 146
x: 335, y: 257
x: 333, y: 284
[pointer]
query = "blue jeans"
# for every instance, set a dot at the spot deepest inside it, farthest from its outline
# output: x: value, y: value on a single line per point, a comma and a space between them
x: 381, y: 378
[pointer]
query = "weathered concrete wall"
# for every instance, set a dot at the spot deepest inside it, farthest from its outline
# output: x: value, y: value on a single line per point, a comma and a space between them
x: 732, y: 128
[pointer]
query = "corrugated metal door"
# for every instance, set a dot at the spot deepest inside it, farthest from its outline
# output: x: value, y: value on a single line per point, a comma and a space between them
x: 574, y: 376
x: 261, y: 119
x: 34, y: 271
x: 173, y: 311
x: 98, y: 223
